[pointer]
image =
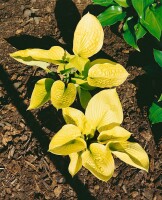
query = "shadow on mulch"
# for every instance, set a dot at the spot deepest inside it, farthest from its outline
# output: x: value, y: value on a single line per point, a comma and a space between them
x: 67, y: 22
x: 149, y: 85
x: 60, y: 162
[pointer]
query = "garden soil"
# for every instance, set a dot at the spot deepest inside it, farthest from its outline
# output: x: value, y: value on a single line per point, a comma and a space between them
x: 27, y: 170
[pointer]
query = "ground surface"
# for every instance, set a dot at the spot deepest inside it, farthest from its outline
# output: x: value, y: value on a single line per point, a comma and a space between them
x: 27, y: 171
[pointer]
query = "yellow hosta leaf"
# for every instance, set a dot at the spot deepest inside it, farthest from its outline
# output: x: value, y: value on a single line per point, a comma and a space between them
x: 30, y: 61
x: 116, y: 133
x: 74, y: 116
x: 41, y: 93
x: 101, y: 61
x: 67, y: 140
x: 88, y: 36
x: 62, y: 97
x: 104, y: 109
x: 54, y: 55
x: 78, y: 62
x: 60, y: 67
x: 107, y: 75
x: 99, y: 161
x: 131, y: 153
x: 75, y: 163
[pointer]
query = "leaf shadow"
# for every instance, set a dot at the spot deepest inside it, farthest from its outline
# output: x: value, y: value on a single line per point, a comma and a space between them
x: 60, y: 163
x: 27, y: 41
x: 66, y: 20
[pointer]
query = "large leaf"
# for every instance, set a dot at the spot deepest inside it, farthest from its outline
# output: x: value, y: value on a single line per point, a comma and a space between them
x: 62, y: 96
x: 99, y: 161
x: 155, y: 112
x: 111, y: 15
x: 40, y: 57
x: 158, y: 56
x: 75, y: 163
x: 152, y: 23
x: 116, y: 133
x: 131, y: 153
x: 101, y: 61
x: 107, y: 75
x: 84, y: 97
x: 67, y: 140
x: 129, y: 33
x: 123, y: 3
x: 41, y: 93
x: 141, y: 5
x: 74, y: 116
x: 104, y: 109
x: 88, y: 36
x: 103, y: 2
x: 158, y: 13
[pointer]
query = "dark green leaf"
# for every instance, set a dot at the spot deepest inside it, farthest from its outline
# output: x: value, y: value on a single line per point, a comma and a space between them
x: 103, y: 2
x: 123, y: 3
x: 158, y: 14
x: 151, y: 23
x: 141, y: 5
x: 129, y: 32
x: 111, y: 15
x: 155, y: 113
x: 84, y: 97
x: 158, y: 56
x: 140, y: 31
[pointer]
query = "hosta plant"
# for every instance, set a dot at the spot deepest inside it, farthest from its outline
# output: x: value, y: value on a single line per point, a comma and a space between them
x: 77, y: 73
x: 155, y: 112
x: 139, y: 17
x: 91, y: 139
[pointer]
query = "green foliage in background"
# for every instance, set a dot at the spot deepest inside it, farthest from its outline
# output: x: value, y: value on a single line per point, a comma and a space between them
x: 155, y: 112
x: 138, y: 16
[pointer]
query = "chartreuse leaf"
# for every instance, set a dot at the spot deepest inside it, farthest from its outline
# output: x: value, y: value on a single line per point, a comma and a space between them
x: 84, y: 97
x: 155, y: 112
x: 74, y: 116
x: 88, y: 36
x: 101, y: 61
x: 140, y: 6
x: 104, y: 109
x: 129, y: 32
x: 131, y: 153
x: 75, y: 163
x: 61, y: 67
x: 78, y: 62
x: 31, y: 62
x: 158, y: 56
x: 67, y: 140
x: 41, y: 93
x: 152, y: 23
x: 99, y: 161
x: 37, y: 57
x: 111, y: 15
x: 61, y: 96
x: 116, y: 133
x: 107, y: 75
x: 103, y: 2
x: 123, y: 3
